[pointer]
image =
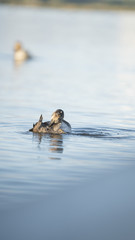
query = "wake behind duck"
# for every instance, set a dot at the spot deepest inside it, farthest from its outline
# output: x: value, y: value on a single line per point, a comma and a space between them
x: 56, y: 125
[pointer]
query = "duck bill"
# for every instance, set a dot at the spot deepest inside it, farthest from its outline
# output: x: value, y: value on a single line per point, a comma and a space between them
x: 51, y: 123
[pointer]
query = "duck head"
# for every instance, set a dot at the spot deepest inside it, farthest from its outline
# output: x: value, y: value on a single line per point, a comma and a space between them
x: 57, y: 117
x: 17, y: 46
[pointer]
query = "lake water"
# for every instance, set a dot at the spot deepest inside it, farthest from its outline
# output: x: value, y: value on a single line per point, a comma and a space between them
x: 84, y: 63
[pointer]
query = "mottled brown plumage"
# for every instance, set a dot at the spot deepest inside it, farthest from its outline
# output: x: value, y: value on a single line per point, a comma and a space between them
x: 56, y: 125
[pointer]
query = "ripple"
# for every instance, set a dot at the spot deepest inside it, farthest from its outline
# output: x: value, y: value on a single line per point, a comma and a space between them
x: 107, y: 133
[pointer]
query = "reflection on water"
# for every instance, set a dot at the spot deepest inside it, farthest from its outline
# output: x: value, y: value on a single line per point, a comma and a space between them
x: 18, y: 64
x: 55, y: 141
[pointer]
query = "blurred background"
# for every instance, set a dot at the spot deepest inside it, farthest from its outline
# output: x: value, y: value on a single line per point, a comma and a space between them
x: 78, y: 3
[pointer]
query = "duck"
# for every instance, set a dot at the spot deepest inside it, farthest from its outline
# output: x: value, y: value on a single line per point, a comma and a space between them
x: 20, y: 54
x: 56, y: 125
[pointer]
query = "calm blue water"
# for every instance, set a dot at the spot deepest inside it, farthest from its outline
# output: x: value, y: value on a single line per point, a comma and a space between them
x: 84, y: 63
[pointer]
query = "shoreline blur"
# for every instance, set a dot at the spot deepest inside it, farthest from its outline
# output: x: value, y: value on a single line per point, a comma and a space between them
x: 107, y: 5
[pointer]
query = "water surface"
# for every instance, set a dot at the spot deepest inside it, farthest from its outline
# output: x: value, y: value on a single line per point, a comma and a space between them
x: 84, y: 63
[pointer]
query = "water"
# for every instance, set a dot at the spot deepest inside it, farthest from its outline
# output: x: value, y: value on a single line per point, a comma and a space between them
x: 83, y: 63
